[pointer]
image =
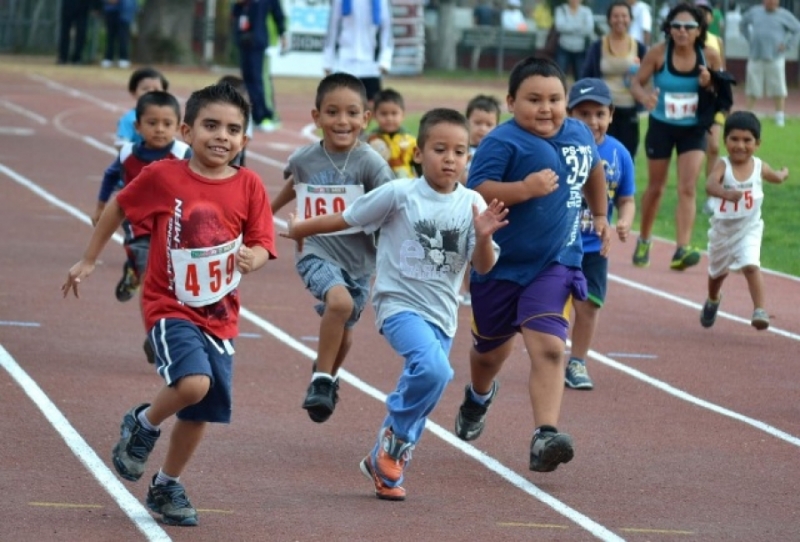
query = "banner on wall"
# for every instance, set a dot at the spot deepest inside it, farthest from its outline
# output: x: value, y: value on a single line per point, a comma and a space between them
x: 308, y: 25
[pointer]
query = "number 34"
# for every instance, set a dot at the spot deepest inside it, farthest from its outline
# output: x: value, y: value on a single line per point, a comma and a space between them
x: 213, y: 278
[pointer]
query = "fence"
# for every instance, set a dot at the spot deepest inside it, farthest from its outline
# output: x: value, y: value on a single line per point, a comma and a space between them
x: 29, y: 26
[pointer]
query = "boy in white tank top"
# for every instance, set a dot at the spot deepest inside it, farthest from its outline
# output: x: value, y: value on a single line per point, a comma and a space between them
x: 735, y: 194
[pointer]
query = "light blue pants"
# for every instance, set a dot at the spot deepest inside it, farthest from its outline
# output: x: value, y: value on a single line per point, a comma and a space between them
x: 426, y: 374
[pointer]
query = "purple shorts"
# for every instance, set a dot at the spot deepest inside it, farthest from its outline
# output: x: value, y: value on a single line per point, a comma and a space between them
x: 501, y: 307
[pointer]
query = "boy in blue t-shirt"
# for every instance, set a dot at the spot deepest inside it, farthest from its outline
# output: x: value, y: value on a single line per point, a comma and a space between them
x: 590, y: 101
x: 541, y: 164
x: 141, y: 82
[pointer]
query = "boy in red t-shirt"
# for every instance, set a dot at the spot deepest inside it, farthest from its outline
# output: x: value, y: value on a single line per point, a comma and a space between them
x: 210, y: 223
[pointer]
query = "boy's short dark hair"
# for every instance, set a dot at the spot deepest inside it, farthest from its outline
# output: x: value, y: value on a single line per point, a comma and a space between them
x: 484, y: 102
x: 237, y: 83
x: 388, y: 95
x: 339, y: 80
x: 434, y: 117
x: 531, y: 66
x: 219, y: 93
x: 157, y: 98
x: 743, y: 120
x: 146, y: 73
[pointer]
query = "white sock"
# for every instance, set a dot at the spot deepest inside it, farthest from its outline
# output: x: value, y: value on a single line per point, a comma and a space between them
x: 316, y: 375
x: 163, y: 479
x: 142, y: 417
x: 478, y: 397
x: 780, y: 116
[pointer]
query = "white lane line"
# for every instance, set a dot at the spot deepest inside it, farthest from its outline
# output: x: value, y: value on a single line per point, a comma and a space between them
x: 14, y: 131
x: 81, y: 449
x: 19, y: 324
x: 594, y: 528
x: 35, y: 117
x: 631, y: 355
x: 696, y: 306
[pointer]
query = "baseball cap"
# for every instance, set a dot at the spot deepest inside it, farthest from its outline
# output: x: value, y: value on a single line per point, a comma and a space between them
x: 589, y: 90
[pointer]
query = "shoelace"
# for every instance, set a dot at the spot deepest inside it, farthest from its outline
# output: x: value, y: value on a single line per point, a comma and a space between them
x: 176, y: 494
x: 577, y: 369
x: 142, y: 442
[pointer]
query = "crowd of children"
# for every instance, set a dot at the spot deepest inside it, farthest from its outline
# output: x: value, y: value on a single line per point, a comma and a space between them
x: 460, y: 199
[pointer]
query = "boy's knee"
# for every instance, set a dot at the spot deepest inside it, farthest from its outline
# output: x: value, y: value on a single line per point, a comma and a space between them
x: 338, y: 301
x: 193, y: 388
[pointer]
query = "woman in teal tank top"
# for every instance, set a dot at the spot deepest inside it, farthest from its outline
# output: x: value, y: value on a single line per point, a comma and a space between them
x: 679, y: 71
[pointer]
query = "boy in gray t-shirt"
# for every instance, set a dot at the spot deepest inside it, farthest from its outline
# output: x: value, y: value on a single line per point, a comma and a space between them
x: 325, y: 178
x: 431, y: 228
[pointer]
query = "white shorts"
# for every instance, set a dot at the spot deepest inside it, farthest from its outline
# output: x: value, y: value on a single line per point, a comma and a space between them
x: 732, y: 253
x: 766, y: 78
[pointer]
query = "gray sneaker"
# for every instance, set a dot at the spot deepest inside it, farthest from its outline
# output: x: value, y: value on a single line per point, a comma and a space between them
x: 135, y: 444
x: 471, y: 416
x: 708, y: 314
x: 549, y: 449
x: 577, y: 377
x: 171, y: 502
x: 760, y: 319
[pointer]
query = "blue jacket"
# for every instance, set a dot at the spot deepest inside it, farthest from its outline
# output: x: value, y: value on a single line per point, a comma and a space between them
x: 257, y: 11
x: 126, y: 8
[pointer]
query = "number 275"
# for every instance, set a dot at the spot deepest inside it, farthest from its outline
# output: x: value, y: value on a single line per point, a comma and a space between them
x: 748, y: 203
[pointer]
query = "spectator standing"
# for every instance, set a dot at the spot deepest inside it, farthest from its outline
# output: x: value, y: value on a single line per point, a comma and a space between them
x: 360, y: 41
x: 485, y: 14
x: 575, y: 25
x: 512, y: 17
x: 642, y: 22
x: 119, y: 15
x: 717, y: 24
x: 252, y: 38
x: 74, y: 13
x: 770, y: 31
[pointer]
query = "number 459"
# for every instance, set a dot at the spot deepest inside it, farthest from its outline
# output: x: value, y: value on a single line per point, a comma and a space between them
x: 214, y: 276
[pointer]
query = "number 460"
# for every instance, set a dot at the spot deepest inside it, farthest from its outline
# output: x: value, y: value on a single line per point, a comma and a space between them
x: 214, y: 275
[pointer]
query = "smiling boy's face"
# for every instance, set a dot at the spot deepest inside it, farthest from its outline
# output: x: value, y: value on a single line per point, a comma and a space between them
x: 342, y: 118
x: 216, y: 137
x: 539, y: 105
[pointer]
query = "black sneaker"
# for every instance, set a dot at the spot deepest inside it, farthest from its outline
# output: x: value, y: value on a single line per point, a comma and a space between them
x: 471, y: 417
x: 549, y: 449
x: 135, y: 444
x: 684, y: 257
x: 128, y: 284
x: 321, y: 399
x: 708, y: 314
x: 171, y: 502
x: 149, y: 353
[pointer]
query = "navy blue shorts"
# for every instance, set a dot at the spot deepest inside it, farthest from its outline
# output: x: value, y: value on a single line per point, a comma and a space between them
x: 183, y: 349
x: 500, y: 308
x: 595, y: 269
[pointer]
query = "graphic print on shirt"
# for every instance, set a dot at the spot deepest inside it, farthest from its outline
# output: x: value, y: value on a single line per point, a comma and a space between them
x: 201, y: 259
x: 436, y: 252
x: 578, y: 159
x: 613, y: 172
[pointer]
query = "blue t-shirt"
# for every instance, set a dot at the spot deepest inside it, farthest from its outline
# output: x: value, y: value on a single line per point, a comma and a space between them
x: 126, y: 129
x: 544, y: 230
x: 618, y: 167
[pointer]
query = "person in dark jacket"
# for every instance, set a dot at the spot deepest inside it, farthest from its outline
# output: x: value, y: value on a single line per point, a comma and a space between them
x: 252, y: 38
x: 74, y: 13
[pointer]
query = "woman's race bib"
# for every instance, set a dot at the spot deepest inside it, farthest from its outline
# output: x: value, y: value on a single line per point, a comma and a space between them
x: 680, y: 105
x: 205, y: 275
x: 318, y: 200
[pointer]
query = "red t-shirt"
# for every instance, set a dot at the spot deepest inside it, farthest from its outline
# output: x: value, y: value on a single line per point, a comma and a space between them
x: 188, y: 211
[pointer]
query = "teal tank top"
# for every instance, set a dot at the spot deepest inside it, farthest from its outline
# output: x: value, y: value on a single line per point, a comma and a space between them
x: 678, y: 92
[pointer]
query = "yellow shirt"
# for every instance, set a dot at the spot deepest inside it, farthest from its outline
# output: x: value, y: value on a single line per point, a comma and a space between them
x: 715, y: 42
x: 397, y: 149
x: 542, y: 16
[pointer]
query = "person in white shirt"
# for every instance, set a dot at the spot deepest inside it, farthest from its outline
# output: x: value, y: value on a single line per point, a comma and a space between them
x: 360, y: 41
x: 512, y: 17
x: 642, y: 22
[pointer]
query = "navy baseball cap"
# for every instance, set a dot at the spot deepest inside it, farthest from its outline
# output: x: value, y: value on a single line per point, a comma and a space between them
x: 589, y: 90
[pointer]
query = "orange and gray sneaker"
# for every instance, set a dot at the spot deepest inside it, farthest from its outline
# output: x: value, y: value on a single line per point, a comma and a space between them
x: 382, y: 491
x: 393, y: 454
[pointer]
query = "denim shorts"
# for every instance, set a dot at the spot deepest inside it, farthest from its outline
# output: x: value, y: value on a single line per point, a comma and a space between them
x: 320, y: 275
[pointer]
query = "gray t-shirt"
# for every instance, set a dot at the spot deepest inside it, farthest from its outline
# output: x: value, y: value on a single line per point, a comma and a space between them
x: 353, y: 252
x: 765, y: 31
x: 427, y: 239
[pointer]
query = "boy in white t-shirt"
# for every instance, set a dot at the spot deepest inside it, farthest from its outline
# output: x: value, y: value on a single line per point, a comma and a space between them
x: 734, y: 239
x: 431, y: 228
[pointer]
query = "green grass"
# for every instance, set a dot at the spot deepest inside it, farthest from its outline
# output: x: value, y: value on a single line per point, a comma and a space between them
x: 778, y: 148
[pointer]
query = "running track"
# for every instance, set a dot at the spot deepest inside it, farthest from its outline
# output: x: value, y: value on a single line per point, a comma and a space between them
x: 690, y: 434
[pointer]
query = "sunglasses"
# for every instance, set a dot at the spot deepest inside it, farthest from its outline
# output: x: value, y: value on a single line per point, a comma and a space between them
x: 691, y: 25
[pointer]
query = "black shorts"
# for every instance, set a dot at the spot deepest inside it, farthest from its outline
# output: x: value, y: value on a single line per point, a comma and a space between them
x: 662, y: 138
x: 595, y: 269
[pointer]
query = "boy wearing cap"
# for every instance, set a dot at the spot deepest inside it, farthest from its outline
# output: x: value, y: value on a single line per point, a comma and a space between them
x: 590, y: 102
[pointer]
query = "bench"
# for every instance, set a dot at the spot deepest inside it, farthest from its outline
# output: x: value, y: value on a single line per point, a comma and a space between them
x: 479, y: 38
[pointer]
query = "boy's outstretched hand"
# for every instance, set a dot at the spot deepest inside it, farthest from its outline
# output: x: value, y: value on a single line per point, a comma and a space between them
x: 290, y: 232
x: 79, y: 271
x: 490, y: 220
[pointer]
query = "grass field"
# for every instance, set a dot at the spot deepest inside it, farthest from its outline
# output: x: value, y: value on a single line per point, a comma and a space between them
x: 778, y: 148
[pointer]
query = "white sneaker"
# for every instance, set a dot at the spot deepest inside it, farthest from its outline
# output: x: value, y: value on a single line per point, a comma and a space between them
x: 780, y: 119
x: 106, y: 63
x: 124, y: 64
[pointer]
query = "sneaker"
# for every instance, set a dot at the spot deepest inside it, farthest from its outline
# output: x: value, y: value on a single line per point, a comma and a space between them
x: 549, y: 449
x: 641, y: 255
x: 321, y: 399
x: 171, y: 502
x: 577, y: 377
x: 382, y: 491
x: 708, y: 314
x: 135, y: 444
x: 780, y: 119
x: 105, y: 63
x: 149, y: 352
x: 471, y: 416
x: 269, y: 125
x: 124, y: 64
x: 760, y: 319
x: 128, y: 284
x: 393, y: 455
x: 684, y: 257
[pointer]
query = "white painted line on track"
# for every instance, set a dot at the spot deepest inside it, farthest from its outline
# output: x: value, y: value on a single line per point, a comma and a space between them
x: 14, y: 131
x: 35, y: 117
x: 631, y: 355
x: 19, y: 324
x: 594, y: 528
x: 108, y: 480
